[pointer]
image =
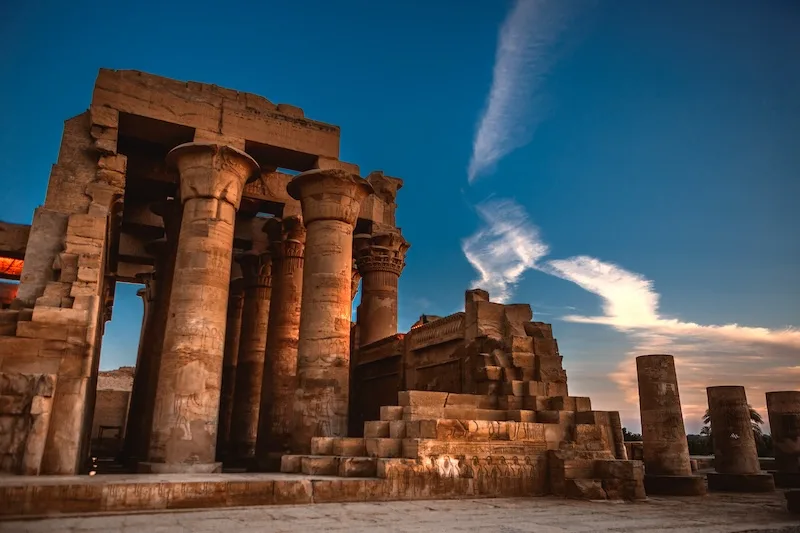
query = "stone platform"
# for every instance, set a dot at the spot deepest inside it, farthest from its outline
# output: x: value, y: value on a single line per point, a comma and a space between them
x: 758, y: 482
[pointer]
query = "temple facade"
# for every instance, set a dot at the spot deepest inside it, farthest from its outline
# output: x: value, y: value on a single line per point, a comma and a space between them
x: 250, y: 239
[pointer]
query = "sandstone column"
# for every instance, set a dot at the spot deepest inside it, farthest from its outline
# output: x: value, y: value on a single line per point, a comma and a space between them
x: 257, y: 282
x: 163, y: 251
x: 233, y: 326
x: 784, y: 422
x: 735, y: 453
x: 330, y: 200
x: 139, y: 389
x: 380, y: 259
x: 666, y: 451
x: 287, y: 240
x: 184, y: 430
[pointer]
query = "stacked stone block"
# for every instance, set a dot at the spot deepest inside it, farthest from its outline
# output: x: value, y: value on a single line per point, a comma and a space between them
x: 439, y: 444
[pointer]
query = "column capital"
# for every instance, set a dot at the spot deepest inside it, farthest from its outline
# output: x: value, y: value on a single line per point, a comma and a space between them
x: 256, y: 269
x: 331, y: 194
x: 169, y: 210
x: 380, y: 252
x: 210, y: 170
x: 287, y: 237
x: 150, y: 290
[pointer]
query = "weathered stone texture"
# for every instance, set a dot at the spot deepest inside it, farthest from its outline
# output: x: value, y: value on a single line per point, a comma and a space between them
x: 187, y: 399
x: 783, y: 409
x: 25, y: 404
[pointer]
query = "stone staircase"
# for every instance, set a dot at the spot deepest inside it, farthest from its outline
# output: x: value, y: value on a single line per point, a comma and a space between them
x: 564, y: 448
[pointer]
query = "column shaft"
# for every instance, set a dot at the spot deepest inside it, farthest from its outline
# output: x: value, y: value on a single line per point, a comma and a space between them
x: 233, y: 329
x: 330, y: 202
x: 666, y: 451
x: 184, y: 430
x: 280, y: 363
x: 256, y: 271
x: 784, y: 422
x: 734, y: 444
x: 133, y: 426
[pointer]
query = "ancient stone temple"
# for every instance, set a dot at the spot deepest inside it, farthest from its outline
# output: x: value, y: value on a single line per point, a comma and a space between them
x: 249, y: 237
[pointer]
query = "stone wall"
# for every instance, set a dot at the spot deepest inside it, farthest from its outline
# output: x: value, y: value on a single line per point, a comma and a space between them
x: 25, y: 404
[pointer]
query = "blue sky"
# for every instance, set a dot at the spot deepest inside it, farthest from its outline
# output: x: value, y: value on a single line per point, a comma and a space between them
x: 637, y: 162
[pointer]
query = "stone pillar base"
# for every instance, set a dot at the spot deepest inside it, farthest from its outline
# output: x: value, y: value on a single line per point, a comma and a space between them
x: 786, y: 480
x: 793, y: 501
x: 179, y: 468
x: 675, y: 485
x: 761, y: 482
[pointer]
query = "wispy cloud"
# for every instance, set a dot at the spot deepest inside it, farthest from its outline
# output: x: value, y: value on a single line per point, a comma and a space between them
x: 515, y: 106
x: 760, y: 358
x: 505, y: 248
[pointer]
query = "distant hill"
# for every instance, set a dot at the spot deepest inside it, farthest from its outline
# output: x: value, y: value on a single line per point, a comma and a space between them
x: 119, y: 379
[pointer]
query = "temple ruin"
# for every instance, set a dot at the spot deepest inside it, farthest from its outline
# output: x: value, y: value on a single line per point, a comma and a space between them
x: 250, y: 239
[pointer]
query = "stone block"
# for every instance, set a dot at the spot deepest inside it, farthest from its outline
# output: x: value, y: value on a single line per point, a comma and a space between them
x: 291, y: 492
x: 522, y: 415
x: 477, y: 401
x: 674, y: 485
x: 624, y: 489
x: 615, y: 469
x: 338, y: 490
x: 322, y: 445
x: 249, y: 493
x: 521, y: 343
x: 557, y: 388
x: 55, y: 315
x: 377, y: 428
x: 761, y: 482
x: 584, y: 489
x: 385, y: 448
x: 391, y: 412
x: 512, y: 374
x: 523, y: 359
x: 544, y: 347
x: 349, y: 447
x: 418, y: 398
x: 510, y: 402
x: 357, y: 467
x: 87, y: 226
x: 463, y: 413
x: 562, y: 403
x: 514, y: 388
x: 397, y: 429
x: 290, y: 464
x: 490, y: 373
x: 319, y: 465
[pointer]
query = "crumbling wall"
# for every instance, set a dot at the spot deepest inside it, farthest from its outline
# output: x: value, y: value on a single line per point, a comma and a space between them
x: 25, y: 404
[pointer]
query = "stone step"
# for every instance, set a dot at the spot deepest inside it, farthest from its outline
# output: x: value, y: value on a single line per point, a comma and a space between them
x: 474, y: 430
x: 379, y: 447
x: 415, y: 398
x: 377, y: 429
x: 329, y: 465
x: 341, y: 446
x: 460, y: 413
x: 422, y: 448
x: 391, y: 412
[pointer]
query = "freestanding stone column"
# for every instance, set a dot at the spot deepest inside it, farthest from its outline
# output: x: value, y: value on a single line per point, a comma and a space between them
x: 233, y: 329
x: 330, y: 200
x: 666, y: 452
x: 783, y: 409
x: 184, y: 432
x: 138, y: 392
x: 735, y: 452
x: 163, y: 251
x: 257, y: 281
x: 380, y: 259
x: 287, y: 240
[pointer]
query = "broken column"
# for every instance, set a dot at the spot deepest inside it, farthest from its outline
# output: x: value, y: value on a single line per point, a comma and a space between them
x: 783, y: 409
x: 666, y: 451
x: 287, y: 240
x: 380, y: 259
x: 330, y: 201
x: 735, y: 453
x: 184, y: 430
x: 231, y: 356
x: 257, y: 282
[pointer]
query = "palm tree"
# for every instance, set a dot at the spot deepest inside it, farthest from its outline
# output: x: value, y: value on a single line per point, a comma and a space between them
x: 755, y: 419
